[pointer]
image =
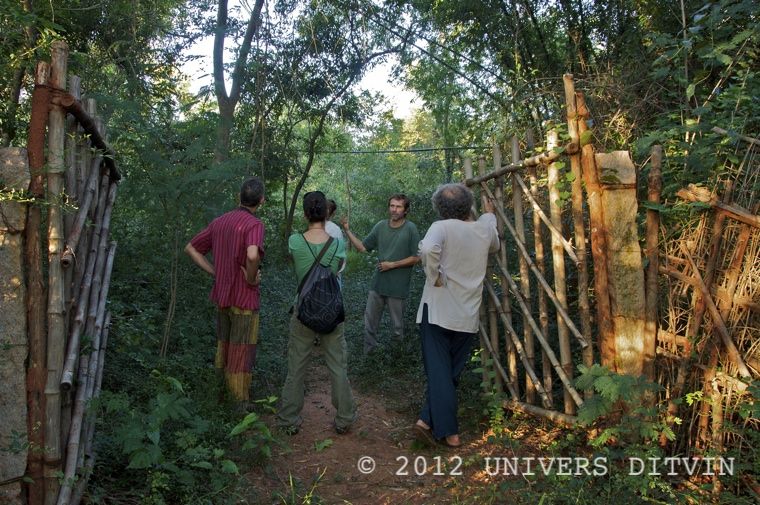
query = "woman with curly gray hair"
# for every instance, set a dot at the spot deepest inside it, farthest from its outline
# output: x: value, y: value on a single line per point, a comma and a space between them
x: 454, y: 255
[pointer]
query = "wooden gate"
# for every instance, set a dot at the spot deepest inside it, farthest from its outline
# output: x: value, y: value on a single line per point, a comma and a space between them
x: 537, y: 349
x: 72, y: 181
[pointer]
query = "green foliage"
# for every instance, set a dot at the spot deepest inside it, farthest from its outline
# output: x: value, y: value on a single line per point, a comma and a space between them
x: 709, y: 78
x: 625, y: 398
x: 258, y: 437
x: 169, y: 444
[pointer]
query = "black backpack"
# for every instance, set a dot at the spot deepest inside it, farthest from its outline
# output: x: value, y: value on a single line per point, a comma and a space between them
x: 320, y: 301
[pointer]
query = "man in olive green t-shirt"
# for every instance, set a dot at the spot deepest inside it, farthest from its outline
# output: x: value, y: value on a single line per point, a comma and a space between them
x: 396, y: 241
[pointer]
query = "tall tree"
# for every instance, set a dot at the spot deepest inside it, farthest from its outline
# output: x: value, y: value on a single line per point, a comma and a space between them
x: 227, y: 101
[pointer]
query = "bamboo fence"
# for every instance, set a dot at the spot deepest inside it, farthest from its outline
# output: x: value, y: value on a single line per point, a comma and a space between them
x: 534, y: 359
x: 708, y: 343
x: 689, y: 319
x: 67, y: 306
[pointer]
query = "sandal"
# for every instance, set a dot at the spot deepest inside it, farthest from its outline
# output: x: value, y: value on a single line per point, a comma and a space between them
x: 424, y: 435
x: 445, y: 442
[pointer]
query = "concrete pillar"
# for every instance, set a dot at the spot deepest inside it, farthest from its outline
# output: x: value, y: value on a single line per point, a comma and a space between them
x: 14, y: 175
x: 617, y: 177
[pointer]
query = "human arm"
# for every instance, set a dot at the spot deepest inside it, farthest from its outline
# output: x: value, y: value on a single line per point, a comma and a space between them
x: 412, y: 246
x: 430, y: 249
x: 358, y: 244
x: 409, y: 261
x: 252, y: 263
x: 199, y: 259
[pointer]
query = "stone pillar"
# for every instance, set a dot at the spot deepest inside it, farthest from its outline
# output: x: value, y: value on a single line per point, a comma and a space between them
x: 14, y: 175
x: 617, y: 177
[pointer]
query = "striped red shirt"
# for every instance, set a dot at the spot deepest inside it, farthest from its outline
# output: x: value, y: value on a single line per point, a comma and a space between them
x: 228, y: 237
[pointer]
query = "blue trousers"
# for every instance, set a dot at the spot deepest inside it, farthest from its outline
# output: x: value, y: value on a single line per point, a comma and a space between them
x: 444, y: 354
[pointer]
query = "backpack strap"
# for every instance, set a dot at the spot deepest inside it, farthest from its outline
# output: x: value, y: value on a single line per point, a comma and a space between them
x: 316, y: 259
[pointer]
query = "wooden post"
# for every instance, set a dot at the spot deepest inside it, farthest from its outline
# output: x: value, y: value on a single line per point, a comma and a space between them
x: 56, y: 312
x: 37, y: 297
x: 484, y: 354
x: 653, y: 257
x: 517, y: 207
x: 538, y: 248
x: 579, y: 225
x: 598, y: 239
x: 558, y: 262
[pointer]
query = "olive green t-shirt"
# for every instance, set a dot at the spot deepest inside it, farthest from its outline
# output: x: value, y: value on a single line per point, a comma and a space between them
x: 392, y: 244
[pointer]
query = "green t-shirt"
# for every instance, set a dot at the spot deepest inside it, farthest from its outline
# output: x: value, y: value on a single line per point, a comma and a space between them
x: 392, y: 244
x: 304, y: 253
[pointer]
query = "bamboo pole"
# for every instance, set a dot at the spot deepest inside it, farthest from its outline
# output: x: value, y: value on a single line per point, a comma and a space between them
x: 492, y: 316
x: 541, y: 280
x: 72, y: 241
x: 558, y: 263
x: 56, y: 313
x: 598, y: 239
x: 564, y: 377
x: 100, y: 262
x: 71, y: 156
x: 72, y: 448
x: 36, y: 302
x: 716, y: 434
x: 498, y: 366
x: 652, y: 254
x: 485, y: 354
x: 552, y: 415
x: 517, y: 206
x: 72, y: 352
x: 533, y: 161
x: 72, y: 192
x: 538, y: 248
x: 718, y: 325
x: 543, y: 217
x: 579, y: 226
x: 519, y: 348
x: 506, y: 305
x: 83, y: 245
x: 89, y: 369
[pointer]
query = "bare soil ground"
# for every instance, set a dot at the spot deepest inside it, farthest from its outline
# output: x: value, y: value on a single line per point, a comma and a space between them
x: 378, y: 461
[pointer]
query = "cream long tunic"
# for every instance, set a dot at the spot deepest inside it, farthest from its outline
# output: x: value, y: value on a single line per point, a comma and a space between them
x: 455, y: 253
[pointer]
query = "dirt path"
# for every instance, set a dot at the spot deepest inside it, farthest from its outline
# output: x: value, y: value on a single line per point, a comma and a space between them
x: 318, y: 464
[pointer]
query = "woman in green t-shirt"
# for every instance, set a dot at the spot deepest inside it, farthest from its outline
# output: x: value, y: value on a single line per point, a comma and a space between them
x: 303, y: 249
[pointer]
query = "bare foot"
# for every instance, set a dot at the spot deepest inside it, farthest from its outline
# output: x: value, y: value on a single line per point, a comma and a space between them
x: 422, y: 424
x: 453, y: 441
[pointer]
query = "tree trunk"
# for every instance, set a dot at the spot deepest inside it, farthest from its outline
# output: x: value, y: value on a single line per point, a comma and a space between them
x: 228, y: 102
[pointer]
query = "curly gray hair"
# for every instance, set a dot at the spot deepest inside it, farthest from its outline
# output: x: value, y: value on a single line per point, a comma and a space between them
x: 453, y: 201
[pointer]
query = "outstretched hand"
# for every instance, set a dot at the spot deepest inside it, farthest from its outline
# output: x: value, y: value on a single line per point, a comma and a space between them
x: 487, y: 204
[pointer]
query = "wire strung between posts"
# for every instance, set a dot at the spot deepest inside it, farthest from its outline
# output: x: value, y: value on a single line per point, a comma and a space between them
x: 413, y: 150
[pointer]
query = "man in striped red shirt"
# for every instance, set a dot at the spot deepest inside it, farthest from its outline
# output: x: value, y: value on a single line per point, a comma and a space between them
x: 235, y: 239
